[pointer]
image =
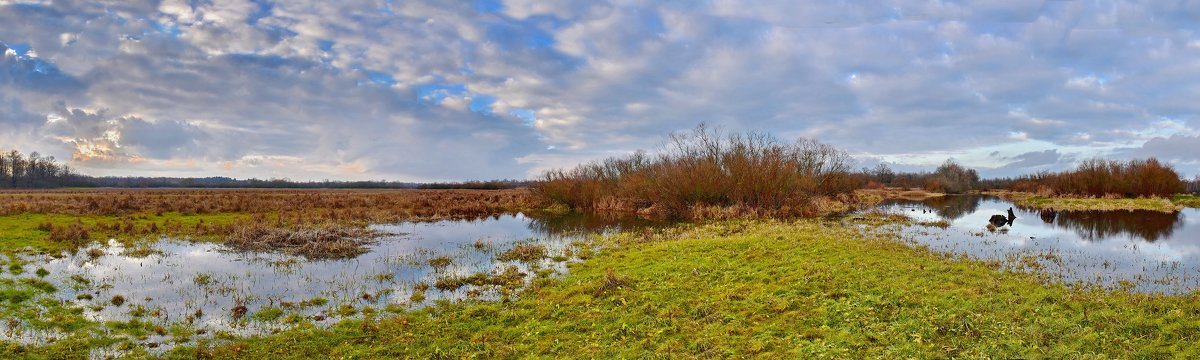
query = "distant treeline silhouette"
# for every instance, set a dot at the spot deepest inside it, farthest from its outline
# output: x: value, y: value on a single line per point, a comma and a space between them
x: 705, y: 169
x: 950, y: 177
x: 36, y: 171
x: 33, y: 171
x: 1098, y: 177
x: 225, y: 182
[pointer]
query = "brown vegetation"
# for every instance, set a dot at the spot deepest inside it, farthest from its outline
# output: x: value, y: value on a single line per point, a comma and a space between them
x: 74, y: 233
x: 899, y: 193
x: 301, y: 222
x: 523, y: 252
x: 1097, y: 177
x: 754, y: 173
x: 328, y: 241
x: 332, y: 205
x: 950, y: 177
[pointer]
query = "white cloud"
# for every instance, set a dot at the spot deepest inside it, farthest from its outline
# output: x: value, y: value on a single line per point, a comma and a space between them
x: 339, y: 84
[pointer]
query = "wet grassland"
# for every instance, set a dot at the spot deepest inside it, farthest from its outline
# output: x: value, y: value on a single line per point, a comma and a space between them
x: 446, y: 274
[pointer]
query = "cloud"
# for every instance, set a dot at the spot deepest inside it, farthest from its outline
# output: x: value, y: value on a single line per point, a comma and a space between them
x: 487, y: 89
x: 1176, y: 148
x: 1034, y: 159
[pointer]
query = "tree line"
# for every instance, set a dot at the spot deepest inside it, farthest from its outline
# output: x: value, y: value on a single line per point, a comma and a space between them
x: 33, y: 171
x: 37, y: 171
x: 701, y: 167
x: 218, y: 182
x: 1099, y: 177
x: 950, y: 178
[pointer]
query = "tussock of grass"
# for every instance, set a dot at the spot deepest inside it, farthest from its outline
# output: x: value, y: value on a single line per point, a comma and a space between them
x: 523, y: 252
x: 440, y: 262
x: 611, y: 283
x: 329, y: 241
x: 75, y: 234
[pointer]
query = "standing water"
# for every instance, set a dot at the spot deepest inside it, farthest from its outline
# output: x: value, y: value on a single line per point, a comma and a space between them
x: 214, y: 290
x: 1144, y: 251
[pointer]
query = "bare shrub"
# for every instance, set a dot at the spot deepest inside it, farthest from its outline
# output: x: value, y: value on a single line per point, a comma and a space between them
x: 1098, y: 177
x: 702, y: 169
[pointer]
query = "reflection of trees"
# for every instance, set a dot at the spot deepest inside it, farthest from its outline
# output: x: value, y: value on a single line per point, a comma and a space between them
x: 579, y: 223
x: 948, y: 207
x: 1098, y: 225
x: 1089, y: 225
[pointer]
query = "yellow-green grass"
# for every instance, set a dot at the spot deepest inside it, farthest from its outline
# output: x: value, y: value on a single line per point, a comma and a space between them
x: 28, y: 230
x: 1098, y: 204
x: 808, y: 289
x: 1187, y: 200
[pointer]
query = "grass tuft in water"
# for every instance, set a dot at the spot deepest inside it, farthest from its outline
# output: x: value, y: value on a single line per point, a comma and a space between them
x: 523, y: 252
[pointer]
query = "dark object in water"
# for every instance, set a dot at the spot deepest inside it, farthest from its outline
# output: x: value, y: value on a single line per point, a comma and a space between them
x: 1001, y: 220
x: 998, y: 220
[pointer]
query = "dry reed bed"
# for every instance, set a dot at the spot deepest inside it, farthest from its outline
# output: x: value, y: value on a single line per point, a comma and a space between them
x: 326, y: 241
x: 331, y: 205
x: 311, y: 223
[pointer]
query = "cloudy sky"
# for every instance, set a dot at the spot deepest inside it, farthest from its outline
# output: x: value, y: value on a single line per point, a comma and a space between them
x: 456, y: 90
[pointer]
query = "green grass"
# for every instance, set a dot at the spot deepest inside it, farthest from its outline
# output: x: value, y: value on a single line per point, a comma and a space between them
x: 1100, y: 204
x: 764, y: 289
x: 1187, y: 200
x: 24, y: 231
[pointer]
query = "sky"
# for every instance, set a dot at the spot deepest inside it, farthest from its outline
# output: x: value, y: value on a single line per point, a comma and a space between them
x: 459, y: 90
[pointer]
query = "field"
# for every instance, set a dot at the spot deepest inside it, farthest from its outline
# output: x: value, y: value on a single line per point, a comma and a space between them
x: 55, y: 220
x: 841, y: 287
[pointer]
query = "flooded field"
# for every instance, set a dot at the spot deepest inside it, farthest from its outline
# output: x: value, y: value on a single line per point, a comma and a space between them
x: 209, y: 290
x: 1142, y: 251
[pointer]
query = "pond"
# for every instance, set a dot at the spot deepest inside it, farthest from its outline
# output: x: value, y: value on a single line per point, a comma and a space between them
x: 213, y: 290
x: 1143, y: 251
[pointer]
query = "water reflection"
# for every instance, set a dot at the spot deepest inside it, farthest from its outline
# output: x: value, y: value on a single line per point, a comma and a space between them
x: 946, y: 207
x: 1099, y: 225
x: 573, y: 224
x: 1089, y: 225
x: 1155, y: 251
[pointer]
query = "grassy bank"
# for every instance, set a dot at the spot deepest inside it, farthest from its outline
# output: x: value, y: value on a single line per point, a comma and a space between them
x: 1092, y: 204
x: 813, y: 288
x: 899, y: 193
x: 36, y: 231
x: 1187, y: 200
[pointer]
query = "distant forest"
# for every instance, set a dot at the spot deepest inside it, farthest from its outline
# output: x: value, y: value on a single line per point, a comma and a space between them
x: 35, y: 171
x: 1094, y: 177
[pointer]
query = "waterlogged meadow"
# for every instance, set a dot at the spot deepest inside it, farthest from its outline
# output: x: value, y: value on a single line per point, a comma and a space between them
x: 147, y: 271
x: 294, y: 276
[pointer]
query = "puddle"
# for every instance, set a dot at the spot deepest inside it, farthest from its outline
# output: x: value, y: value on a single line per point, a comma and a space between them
x: 214, y: 290
x: 1146, y: 251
